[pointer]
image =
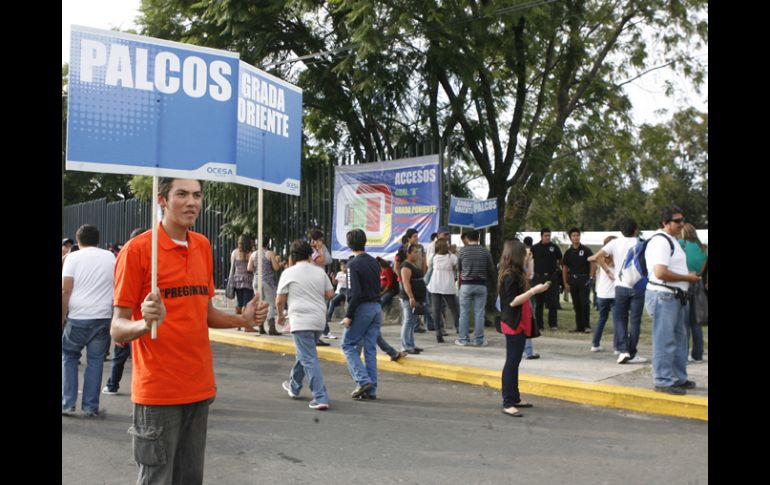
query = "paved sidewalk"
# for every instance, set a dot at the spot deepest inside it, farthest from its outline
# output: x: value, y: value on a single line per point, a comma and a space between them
x: 567, y: 369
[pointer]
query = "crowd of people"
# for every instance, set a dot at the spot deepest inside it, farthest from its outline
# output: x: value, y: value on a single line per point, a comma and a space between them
x: 108, y: 295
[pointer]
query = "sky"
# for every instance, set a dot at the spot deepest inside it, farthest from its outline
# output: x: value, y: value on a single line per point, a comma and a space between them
x: 646, y: 94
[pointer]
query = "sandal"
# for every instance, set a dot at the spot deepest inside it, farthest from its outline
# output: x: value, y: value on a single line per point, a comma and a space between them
x: 522, y: 404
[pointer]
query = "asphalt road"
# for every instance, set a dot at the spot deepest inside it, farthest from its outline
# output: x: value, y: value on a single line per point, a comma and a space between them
x: 420, y: 431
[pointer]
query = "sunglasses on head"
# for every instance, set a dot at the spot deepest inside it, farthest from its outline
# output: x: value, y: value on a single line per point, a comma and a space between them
x: 678, y: 220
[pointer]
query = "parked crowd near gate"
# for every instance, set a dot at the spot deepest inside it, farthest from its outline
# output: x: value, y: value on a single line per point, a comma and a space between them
x: 438, y: 288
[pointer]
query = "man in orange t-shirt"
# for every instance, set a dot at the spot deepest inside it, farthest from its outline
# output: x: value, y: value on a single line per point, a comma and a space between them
x: 172, y: 384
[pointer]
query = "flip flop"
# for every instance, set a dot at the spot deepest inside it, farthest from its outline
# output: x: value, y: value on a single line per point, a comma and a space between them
x: 523, y: 405
x: 514, y: 415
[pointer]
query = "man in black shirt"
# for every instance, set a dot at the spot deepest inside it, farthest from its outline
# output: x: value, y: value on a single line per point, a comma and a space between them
x: 363, y: 317
x: 578, y: 275
x: 547, y: 256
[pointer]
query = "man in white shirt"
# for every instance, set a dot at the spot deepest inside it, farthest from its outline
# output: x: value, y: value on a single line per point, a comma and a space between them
x: 666, y: 302
x: 628, y: 301
x: 86, y: 309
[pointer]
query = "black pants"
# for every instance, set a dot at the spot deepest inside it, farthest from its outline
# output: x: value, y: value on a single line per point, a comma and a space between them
x: 514, y: 348
x: 548, y: 298
x: 437, y: 304
x: 580, y: 302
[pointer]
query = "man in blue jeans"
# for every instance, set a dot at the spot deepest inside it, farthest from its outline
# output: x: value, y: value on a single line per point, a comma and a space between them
x: 363, y: 318
x: 87, y: 290
x: 666, y: 302
x: 474, y: 263
x: 627, y: 299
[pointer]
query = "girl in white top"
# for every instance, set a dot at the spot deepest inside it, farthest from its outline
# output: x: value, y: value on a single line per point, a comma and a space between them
x: 442, y: 287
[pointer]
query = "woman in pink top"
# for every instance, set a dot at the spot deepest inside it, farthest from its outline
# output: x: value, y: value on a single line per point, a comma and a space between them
x: 516, y: 319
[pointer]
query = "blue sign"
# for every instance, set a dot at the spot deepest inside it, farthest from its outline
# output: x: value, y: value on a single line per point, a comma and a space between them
x: 477, y: 214
x: 385, y: 199
x: 145, y: 106
x: 460, y: 212
x: 485, y: 213
x: 269, y: 131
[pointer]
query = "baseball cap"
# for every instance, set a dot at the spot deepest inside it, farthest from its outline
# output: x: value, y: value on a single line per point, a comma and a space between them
x: 67, y: 240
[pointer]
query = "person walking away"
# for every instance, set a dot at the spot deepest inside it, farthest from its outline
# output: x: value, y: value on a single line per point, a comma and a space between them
x: 242, y: 277
x: 515, y: 320
x: 629, y: 302
x: 578, y: 274
x: 363, y: 317
x: 87, y: 279
x: 696, y: 254
x: 270, y: 265
x: 172, y: 384
x: 307, y: 288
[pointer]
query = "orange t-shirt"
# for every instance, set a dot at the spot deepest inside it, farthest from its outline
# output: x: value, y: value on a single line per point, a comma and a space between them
x: 177, y: 367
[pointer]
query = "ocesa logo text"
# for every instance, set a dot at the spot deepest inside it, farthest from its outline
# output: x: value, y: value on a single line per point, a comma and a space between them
x: 292, y: 185
x: 219, y: 171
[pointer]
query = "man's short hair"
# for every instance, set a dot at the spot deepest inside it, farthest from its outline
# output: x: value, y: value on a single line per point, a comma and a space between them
x: 164, y: 185
x: 316, y: 234
x: 528, y: 241
x: 433, y: 236
x: 411, y: 231
x: 573, y: 230
x: 627, y: 227
x: 544, y: 230
x: 667, y: 213
x: 67, y: 240
x: 87, y: 235
x: 356, y: 240
x: 300, y: 250
x: 473, y: 235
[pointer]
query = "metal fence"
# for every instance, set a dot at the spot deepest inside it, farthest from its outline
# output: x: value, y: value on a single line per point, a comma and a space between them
x: 116, y: 221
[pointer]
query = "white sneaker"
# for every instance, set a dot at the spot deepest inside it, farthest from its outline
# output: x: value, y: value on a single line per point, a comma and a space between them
x: 637, y: 360
x: 330, y: 336
x: 623, y: 357
x: 694, y: 361
x: 287, y: 387
x: 597, y: 349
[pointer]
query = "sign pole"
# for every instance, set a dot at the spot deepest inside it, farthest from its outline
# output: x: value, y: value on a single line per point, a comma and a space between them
x: 259, y: 244
x: 154, y: 267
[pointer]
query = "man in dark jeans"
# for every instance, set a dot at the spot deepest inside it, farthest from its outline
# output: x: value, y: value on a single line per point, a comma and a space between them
x: 578, y: 274
x: 547, y: 256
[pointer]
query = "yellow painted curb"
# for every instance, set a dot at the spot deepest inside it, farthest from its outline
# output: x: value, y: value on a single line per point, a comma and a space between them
x: 605, y: 395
